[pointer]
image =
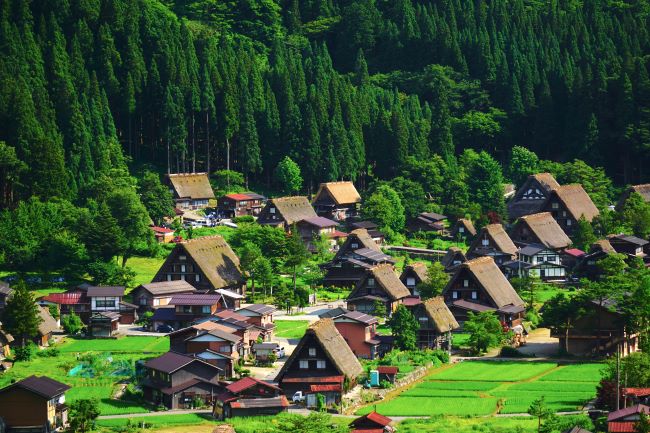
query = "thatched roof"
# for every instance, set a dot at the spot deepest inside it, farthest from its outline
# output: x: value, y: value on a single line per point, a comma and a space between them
x: 215, y: 259
x: 162, y: 288
x: 420, y: 269
x: 499, y: 238
x: 386, y: 277
x: 452, y: 253
x: 48, y: 324
x: 547, y: 180
x: 191, y: 185
x: 333, y: 344
x: 342, y: 193
x: 546, y: 229
x: 643, y: 190
x: 362, y: 239
x: 576, y: 200
x: 440, y: 315
x: 293, y: 209
x: 468, y: 224
x: 541, y: 184
x: 490, y: 277
x: 602, y: 245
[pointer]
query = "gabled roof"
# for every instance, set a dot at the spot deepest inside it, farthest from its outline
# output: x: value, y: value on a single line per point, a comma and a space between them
x: 643, y: 190
x: 105, y: 291
x: 363, y: 238
x: 576, y: 201
x: 230, y: 314
x: 629, y: 239
x: 490, y: 277
x: 40, y: 385
x: 213, y: 257
x: 532, y: 249
x: 5, y: 288
x: 293, y: 209
x: 440, y: 315
x: 386, y: 278
x: 191, y: 185
x: 452, y: 252
x: 333, y: 313
x: 260, y: 309
x: 172, y: 361
x: 168, y: 287
x: 547, y: 180
x: 546, y: 229
x: 248, y: 382
x: 48, y: 324
x: 67, y: 298
x: 602, y: 245
x: 632, y: 410
x: 499, y: 238
x: 575, y: 252
x: 162, y: 230
x: 468, y: 224
x: 420, y: 270
x: 219, y: 333
x: 194, y: 299
x: 333, y: 344
x: 357, y: 316
x: 576, y: 429
x: 374, y: 417
x: 342, y: 193
x: 320, y: 222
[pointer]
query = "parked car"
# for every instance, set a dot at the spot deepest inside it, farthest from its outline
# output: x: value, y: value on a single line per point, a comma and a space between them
x: 280, y: 352
x: 298, y: 397
x: 165, y: 328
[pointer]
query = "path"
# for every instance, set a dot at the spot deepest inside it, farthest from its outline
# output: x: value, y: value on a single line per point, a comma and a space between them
x: 167, y: 413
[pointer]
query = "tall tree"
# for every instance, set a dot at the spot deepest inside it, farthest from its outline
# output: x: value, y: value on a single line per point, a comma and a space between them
x: 20, y: 316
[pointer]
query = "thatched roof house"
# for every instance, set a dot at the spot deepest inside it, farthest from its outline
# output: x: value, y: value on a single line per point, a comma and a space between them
x: 440, y: 315
x: 337, y: 193
x: 191, y: 190
x: 531, y: 195
x: 540, y: 228
x: 207, y: 263
x: 643, y: 190
x: 454, y: 257
x: 493, y: 241
x: 568, y: 204
x: 462, y: 229
x: 379, y: 284
x: 286, y: 211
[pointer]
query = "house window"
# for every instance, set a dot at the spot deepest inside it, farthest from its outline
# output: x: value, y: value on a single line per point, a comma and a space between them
x: 568, y: 223
x: 205, y: 309
x: 591, y: 262
x: 354, y: 245
x: 225, y: 349
x: 563, y: 213
x: 555, y: 206
x: 183, y: 277
x: 169, y: 277
x: 454, y: 294
x: 465, y: 283
x: 187, y: 309
x: 303, y: 364
x: 320, y: 365
x: 371, y: 282
x: 105, y: 303
x: 410, y: 281
x: 461, y: 229
x: 474, y: 295
x: 272, y: 210
x: 182, y: 268
x: 485, y: 242
x: 182, y: 257
x: 197, y: 278
x: 312, y: 351
x: 143, y: 300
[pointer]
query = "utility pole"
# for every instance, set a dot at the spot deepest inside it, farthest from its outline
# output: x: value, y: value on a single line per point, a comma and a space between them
x: 618, y: 376
x: 228, y: 163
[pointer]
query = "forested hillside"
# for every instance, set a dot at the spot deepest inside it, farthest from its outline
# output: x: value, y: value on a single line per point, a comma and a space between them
x: 347, y: 88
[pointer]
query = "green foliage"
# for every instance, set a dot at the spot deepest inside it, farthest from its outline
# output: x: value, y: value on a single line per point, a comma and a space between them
x: 583, y: 236
x: 539, y: 410
x: 485, y: 331
x: 25, y: 353
x: 288, y: 176
x: 437, y: 279
x: 54, y: 311
x: 155, y: 197
x: 384, y: 207
x: 379, y: 308
x: 72, y: 324
x: 83, y: 413
x: 20, y: 316
x: 635, y: 216
x: 227, y: 181
x: 522, y: 164
x: 405, y: 327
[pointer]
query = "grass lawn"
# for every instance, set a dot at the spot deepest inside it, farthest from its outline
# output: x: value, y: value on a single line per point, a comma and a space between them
x: 329, y: 295
x: 440, y: 424
x: 460, y: 340
x: 482, y: 388
x: 46, y: 291
x: 145, y: 268
x: 126, y: 344
x: 290, y: 328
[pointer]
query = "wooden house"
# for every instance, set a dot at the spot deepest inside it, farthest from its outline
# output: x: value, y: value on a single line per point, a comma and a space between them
x: 34, y: 404
x: 184, y: 309
x: 151, y: 295
x: 567, y: 204
x: 372, y: 229
x: 46, y: 328
x: 207, y: 263
x: 5, y: 292
x: 414, y: 274
x: 626, y: 420
x: 454, y: 257
x: 260, y: 315
x: 538, y: 261
x: 387, y: 373
x: 571, y: 257
x: 175, y: 380
x: 359, y: 330
x: 643, y: 190
x: 226, y: 345
x: 427, y: 222
x: 163, y: 235
x: 358, y: 254
x: 103, y: 324
x: 493, y: 241
x: 264, y: 351
x: 436, y: 324
x: 109, y: 299
x: 372, y: 423
x: 191, y: 190
x: 539, y: 228
x: 5, y: 344
x: 631, y: 246
x: 463, y: 229
x: 74, y: 301
x: 311, y: 229
x: 322, y: 363
x: 249, y: 397
x: 599, y: 329
x: 587, y: 266
x: 284, y: 212
x: 241, y: 204
x: 379, y: 284
x: 479, y: 285
x: 531, y: 195
x: 337, y: 200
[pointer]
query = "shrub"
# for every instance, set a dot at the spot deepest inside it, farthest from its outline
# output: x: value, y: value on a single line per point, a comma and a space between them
x: 243, y: 219
x: 25, y: 353
x: 384, y: 384
x: 52, y: 352
x: 72, y: 324
x: 511, y: 352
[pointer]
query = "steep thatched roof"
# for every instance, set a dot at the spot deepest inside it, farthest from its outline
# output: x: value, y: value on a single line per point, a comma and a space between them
x: 342, y: 193
x: 420, y: 270
x: 214, y: 258
x: 440, y: 315
x: 191, y: 185
x: 643, y: 190
x: 162, y: 288
x: 48, y: 324
x: 490, y: 277
x: 499, y: 238
x: 576, y: 200
x: 293, y: 209
x: 452, y: 253
x: 602, y: 245
x: 333, y: 344
x: 359, y: 237
x: 546, y: 229
x: 468, y: 224
x: 547, y: 180
x: 386, y: 277
x: 540, y: 184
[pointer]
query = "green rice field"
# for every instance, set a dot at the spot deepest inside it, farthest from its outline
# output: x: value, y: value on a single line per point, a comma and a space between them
x: 290, y: 328
x: 484, y: 388
x: 126, y: 344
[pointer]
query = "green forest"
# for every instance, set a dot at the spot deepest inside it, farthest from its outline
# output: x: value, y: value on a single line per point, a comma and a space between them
x: 348, y: 89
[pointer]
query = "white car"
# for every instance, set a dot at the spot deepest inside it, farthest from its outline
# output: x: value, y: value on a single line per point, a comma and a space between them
x: 298, y: 397
x: 280, y: 352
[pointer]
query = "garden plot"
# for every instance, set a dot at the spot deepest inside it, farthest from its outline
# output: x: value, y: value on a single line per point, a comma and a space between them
x: 493, y: 371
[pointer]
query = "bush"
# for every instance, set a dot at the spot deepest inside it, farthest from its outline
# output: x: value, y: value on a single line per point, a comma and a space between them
x: 72, y: 324
x: 384, y: 384
x: 52, y: 352
x: 243, y: 219
x: 25, y: 353
x: 533, y: 318
x: 511, y: 352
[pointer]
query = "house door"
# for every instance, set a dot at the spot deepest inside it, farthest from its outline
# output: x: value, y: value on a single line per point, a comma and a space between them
x: 542, y: 273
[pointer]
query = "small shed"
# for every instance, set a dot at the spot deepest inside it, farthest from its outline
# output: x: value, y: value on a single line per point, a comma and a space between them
x: 103, y: 324
x: 388, y: 373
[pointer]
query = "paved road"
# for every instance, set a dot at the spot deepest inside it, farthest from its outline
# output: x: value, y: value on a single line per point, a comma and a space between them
x: 310, y: 313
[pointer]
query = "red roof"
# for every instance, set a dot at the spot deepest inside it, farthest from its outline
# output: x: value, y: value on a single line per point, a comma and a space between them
x: 574, y: 252
x: 337, y: 234
x: 638, y: 392
x: 324, y: 379
x: 631, y: 410
x: 161, y: 229
x: 325, y: 388
x: 621, y: 426
x: 411, y: 301
x: 383, y: 369
x: 379, y: 419
x: 68, y: 298
x: 245, y: 383
x: 238, y: 197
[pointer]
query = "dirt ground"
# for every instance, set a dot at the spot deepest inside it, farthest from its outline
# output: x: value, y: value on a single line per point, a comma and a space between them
x: 540, y: 344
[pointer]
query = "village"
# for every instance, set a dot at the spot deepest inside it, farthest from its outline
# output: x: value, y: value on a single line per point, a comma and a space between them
x: 479, y: 329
